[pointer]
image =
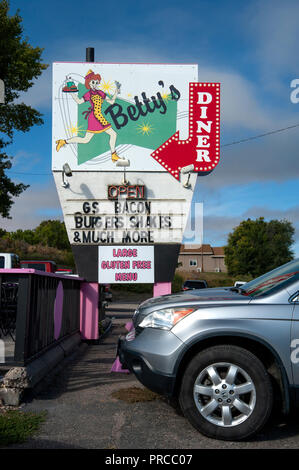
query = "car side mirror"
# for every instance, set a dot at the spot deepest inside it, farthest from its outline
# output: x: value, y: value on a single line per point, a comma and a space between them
x: 294, y: 298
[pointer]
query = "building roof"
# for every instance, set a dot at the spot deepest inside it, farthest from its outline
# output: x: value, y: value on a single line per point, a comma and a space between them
x: 206, y: 249
x: 218, y: 250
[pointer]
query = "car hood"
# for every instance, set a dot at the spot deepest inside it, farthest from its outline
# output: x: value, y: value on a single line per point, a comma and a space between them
x: 196, y: 297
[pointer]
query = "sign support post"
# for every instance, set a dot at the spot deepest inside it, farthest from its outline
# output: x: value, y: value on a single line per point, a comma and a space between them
x: 162, y: 288
x: 89, y: 296
x: 134, y: 138
x: 89, y: 310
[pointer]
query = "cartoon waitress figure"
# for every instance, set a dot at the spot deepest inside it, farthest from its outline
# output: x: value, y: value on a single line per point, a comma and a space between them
x: 97, y: 123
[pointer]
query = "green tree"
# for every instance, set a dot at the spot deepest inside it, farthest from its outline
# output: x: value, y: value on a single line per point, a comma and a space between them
x: 25, y: 251
x: 257, y: 246
x: 27, y: 236
x: 52, y: 233
x: 20, y: 63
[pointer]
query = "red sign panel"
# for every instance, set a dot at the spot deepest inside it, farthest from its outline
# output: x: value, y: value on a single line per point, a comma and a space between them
x: 201, y: 151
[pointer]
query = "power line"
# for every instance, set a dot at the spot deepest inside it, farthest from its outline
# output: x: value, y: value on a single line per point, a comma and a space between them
x: 223, y: 145
x: 260, y: 135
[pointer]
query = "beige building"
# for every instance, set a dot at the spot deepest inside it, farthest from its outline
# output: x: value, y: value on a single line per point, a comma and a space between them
x: 203, y: 258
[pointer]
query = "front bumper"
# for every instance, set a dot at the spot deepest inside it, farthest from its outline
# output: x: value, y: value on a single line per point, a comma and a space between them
x: 135, y: 356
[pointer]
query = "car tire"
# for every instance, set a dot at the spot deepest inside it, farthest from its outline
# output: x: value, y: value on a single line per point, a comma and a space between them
x: 211, y: 395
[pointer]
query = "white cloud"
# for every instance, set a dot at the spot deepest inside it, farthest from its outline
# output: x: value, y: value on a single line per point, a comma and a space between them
x: 40, y: 94
x: 291, y: 214
x: 37, y: 203
x: 272, y: 158
x: 217, y: 228
x: 25, y: 160
x: 273, y: 30
x: 240, y: 105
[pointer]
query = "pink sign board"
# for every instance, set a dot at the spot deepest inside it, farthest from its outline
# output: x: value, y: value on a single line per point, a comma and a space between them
x: 130, y: 264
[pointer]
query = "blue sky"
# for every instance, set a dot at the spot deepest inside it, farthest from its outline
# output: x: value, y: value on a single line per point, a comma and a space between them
x: 250, y: 47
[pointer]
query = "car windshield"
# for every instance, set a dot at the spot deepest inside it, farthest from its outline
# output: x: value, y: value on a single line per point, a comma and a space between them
x: 276, y: 279
x: 37, y: 266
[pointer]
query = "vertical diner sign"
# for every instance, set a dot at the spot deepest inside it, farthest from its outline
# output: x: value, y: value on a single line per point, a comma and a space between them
x: 201, y: 149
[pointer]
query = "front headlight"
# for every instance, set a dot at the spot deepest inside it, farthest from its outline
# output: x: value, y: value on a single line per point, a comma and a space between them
x: 165, y: 319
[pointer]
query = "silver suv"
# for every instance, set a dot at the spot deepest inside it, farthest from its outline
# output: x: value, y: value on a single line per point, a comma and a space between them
x: 226, y: 353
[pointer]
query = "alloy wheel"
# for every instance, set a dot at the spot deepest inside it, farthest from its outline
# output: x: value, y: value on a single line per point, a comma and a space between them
x: 224, y: 394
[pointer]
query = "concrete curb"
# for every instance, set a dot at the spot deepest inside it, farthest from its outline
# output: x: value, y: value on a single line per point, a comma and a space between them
x: 18, y: 379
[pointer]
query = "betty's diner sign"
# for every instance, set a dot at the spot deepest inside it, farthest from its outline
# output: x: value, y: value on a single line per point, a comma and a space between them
x: 130, y: 133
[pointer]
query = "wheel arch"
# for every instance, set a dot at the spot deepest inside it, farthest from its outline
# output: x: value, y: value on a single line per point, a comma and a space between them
x: 262, y: 350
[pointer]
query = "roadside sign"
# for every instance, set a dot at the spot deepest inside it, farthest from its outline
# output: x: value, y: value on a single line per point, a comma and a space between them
x: 134, y: 136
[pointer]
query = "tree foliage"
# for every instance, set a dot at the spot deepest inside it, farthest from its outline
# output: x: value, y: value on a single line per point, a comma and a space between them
x: 53, y: 233
x: 47, y: 241
x: 39, y: 252
x: 20, y: 63
x: 257, y: 246
x: 48, y: 233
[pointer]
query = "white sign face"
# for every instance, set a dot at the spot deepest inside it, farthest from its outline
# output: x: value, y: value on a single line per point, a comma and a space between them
x: 104, y: 113
x: 126, y: 264
x: 93, y: 219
